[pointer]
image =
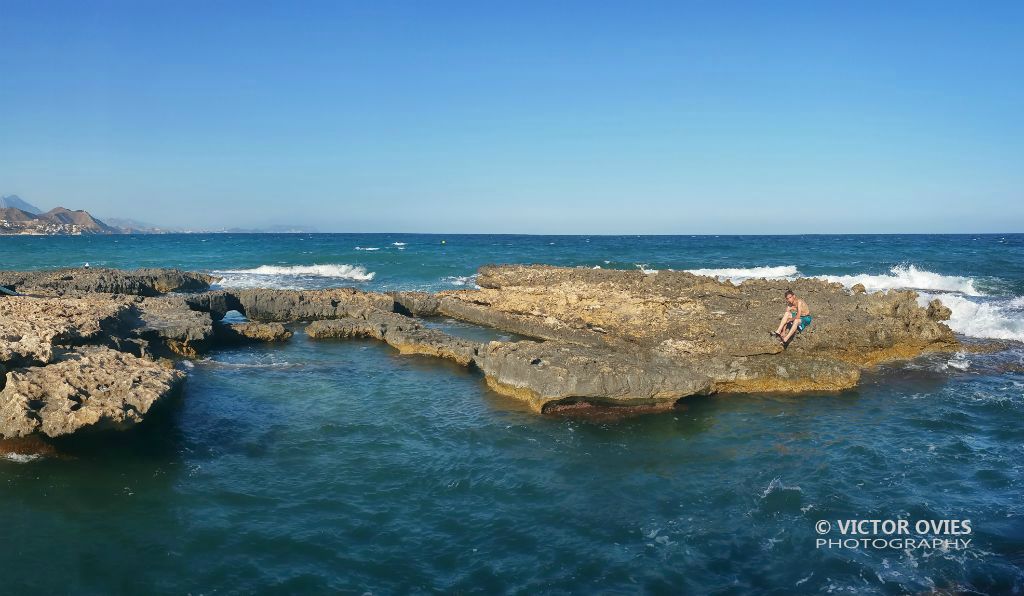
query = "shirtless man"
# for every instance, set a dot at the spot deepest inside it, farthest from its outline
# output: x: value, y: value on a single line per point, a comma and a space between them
x: 797, y: 317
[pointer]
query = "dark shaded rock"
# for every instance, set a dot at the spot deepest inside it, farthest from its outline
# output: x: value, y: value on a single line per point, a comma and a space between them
x: 141, y: 282
x: 549, y: 373
x: 937, y: 311
x: 169, y: 320
x: 419, y: 304
x: 218, y: 303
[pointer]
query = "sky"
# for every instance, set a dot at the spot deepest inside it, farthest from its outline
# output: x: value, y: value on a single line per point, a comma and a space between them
x: 519, y: 117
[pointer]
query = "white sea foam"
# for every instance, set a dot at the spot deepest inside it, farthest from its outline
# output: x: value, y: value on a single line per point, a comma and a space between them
x: 959, y: 361
x: 462, y: 280
x: 908, y: 277
x: 290, y: 276
x: 367, y: 248
x: 20, y: 458
x: 742, y: 274
x: 987, y: 318
x: 343, y: 271
x: 398, y: 243
x: 973, y: 313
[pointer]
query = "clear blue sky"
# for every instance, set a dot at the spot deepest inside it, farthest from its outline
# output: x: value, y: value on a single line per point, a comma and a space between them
x: 546, y: 117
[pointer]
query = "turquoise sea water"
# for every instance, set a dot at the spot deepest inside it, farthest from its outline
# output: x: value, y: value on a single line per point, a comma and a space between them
x: 343, y: 466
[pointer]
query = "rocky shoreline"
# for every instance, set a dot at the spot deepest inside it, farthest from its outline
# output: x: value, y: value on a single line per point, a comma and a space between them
x: 97, y: 348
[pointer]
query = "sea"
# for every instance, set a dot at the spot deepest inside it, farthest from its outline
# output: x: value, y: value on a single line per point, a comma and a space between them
x: 344, y: 467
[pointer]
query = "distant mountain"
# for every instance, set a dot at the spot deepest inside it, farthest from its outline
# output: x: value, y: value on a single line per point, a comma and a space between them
x: 14, y: 214
x: 276, y: 229
x: 133, y: 226
x: 59, y: 221
x: 18, y: 203
x: 85, y: 222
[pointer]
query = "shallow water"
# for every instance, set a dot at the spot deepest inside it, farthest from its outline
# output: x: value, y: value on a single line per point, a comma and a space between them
x: 346, y: 466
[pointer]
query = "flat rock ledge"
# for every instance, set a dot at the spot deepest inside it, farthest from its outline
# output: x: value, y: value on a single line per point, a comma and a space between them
x: 94, y: 348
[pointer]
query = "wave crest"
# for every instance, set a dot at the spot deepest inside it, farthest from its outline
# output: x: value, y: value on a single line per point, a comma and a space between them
x: 291, y: 276
x: 982, y: 318
x: 343, y: 271
x: 908, y: 277
x: 739, y: 274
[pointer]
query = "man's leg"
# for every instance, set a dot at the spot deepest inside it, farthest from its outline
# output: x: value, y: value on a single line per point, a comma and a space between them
x: 786, y: 317
x: 793, y: 328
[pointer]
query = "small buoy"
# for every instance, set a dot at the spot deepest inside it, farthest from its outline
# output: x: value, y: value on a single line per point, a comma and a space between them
x: 444, y: 242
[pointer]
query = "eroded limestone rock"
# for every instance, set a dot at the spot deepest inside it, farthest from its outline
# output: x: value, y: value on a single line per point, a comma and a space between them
x: 402, y: 333
x: 93, y: 386
x: 141, y: 282
x: 250, y: 332
x: 31, y: 328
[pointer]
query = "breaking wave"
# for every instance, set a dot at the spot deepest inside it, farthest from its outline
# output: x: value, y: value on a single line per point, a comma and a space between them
x: 462, y: 280
x: 973, y: 313
x: 908, y: 277
x: 291, y: 276
x: 343, y: 271
x: 982, y: 317
x: 742, y: 274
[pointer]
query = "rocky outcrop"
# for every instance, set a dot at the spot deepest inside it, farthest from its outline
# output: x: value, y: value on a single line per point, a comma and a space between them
x: 141, y: 282
x: 61, y: 371
x: 599, y: 337
x: 84, y: 361
x: 94, y: 387
x: 543, y: 373
x: 169, y: 321
x: 307, y: 305
x: 31, y: 329
x: 402, y: 333
x: 627, y: 337
x: 677, y: 313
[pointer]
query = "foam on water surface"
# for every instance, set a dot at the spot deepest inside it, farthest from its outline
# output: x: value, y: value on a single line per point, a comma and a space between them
x: 291, y: 276
x: 907, y: 277
x: 739, y: 274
